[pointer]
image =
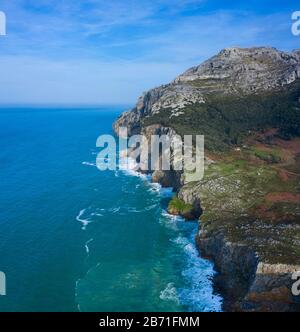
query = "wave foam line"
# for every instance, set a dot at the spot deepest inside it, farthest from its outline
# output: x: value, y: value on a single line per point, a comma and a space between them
x: 87, y: 163
x: 84, y: 222
x: 87, y: 249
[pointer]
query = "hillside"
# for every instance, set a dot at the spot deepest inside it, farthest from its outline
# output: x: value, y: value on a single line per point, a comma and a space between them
x: 229, y: 94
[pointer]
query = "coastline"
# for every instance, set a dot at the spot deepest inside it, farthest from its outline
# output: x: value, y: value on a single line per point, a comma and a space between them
x: 171, y: 181
x: 245, y: 281
x: 249, y: 197
x: 184, y: 280
x: 167, y: 191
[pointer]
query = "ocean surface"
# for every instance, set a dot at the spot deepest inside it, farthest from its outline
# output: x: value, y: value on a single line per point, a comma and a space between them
x: 73, y: 238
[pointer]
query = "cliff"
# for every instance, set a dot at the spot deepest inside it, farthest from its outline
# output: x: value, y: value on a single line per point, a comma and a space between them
x: 246, y: 103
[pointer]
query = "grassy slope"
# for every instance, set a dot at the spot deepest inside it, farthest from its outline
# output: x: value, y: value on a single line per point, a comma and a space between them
x: 234, y: 193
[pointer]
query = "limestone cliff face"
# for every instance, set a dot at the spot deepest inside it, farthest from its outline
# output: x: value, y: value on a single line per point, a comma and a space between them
x: 169, y: 178
x: 246, y: 282
x: 252, y: 235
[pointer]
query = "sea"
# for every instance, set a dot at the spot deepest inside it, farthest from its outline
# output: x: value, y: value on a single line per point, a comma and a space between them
x: 74, y: 238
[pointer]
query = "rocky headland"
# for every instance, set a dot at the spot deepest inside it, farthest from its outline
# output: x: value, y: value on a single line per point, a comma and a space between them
x: 246, y: 102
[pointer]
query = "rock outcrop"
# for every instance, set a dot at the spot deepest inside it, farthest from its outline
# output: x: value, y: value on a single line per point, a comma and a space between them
x: 246, y: 70
x: 246, y: 283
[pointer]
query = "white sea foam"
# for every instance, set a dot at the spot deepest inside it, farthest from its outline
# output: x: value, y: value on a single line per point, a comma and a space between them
x: 169, y: 294
x: 154, y: 187
x: 151, y: 207
x: 89, y: 215
x: 115, y: 209
x: 198, y: 294
x: 147, y: 208
x: 161, y: 191
x: 97, y: 214
x: 84, y: 222
x: 87, y: 249
x: 129, y: 167
x: 171, y: 221
x: 87, y: 163
x: 180, y: 240
x: 172, y: 217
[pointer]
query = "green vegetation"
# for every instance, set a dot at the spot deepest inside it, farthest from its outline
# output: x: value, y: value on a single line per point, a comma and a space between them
x: 236, y: 189
x: 271, y: 156
x: 227, y: 120
x: 233, y: 196
x: 179, y: 207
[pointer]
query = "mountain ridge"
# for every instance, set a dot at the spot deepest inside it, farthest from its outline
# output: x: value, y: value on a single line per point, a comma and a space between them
x: 235, y: 73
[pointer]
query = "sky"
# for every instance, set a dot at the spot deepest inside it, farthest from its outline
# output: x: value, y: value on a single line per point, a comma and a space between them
x: 111, y: 51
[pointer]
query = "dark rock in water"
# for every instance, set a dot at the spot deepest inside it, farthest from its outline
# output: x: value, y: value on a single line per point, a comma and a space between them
x: 167, y: 179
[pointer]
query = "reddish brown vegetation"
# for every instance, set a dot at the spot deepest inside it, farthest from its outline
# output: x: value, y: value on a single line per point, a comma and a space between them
x: 283, y: 197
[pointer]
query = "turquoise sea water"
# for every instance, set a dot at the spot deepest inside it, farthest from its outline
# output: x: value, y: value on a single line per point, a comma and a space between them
x: 74, y: 238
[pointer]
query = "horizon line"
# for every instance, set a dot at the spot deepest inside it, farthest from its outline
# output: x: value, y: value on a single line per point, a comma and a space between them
x: 69, y: 105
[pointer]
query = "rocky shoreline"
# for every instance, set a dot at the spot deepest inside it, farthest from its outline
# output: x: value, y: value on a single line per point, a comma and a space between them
x: 245, y: 282
x: 248, y: 201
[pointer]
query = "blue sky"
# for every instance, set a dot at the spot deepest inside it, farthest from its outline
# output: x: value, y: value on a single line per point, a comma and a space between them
x: 110, y: 51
